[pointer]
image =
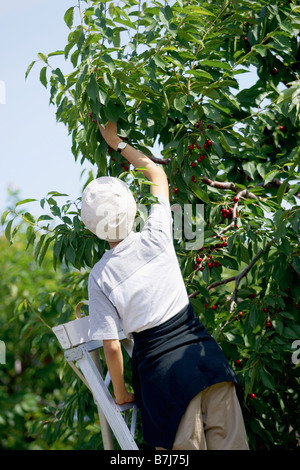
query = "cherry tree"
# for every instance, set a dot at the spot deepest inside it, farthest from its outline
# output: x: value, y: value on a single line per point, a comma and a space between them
x: 169, y: 75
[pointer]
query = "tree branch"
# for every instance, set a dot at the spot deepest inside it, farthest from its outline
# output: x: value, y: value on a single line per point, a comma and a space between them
x: 276, y: 183
x: 160, y: 161
x: 228, y: 185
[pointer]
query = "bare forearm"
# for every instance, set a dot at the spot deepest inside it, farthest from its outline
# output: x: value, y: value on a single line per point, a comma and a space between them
x: 114, y: 361
x: 152, y: 172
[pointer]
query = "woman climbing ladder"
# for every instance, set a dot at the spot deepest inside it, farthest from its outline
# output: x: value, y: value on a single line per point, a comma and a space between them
x: 183, y: 385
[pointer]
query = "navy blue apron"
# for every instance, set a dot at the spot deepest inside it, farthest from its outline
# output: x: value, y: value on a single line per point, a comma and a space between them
x: 171, y: 364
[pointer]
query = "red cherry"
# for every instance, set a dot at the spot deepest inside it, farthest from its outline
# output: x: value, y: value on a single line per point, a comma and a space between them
x: 191, y: 147
x: 210, y: 265
x: 268, y: 324
x: 199, y: 260
x: 207, y: 144
x: 214, y: 307
x: 91, y: 116
x: 240, y: 314
x: 210, y: 126
x: 194, y: 179
x: 193, y: 164
x: 238, y: 362
x: 235, y: 199
x: 206, y: 305
x: 198, y: 146
x: 175, y: 190
x: 266, y: 310
x: 47, y: 360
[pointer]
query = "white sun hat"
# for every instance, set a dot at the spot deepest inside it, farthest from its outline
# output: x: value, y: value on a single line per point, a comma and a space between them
x: 108, y: 208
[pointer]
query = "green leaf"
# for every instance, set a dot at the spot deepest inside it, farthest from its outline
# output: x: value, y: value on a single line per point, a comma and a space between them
x: 216, y: 64
x: 109, y: 62
x: 166, y: 14
x: 44, y: 250
x: 58, y: 75
x: 8, y: 230
x: 29, y: 68
x: 57, y: 247
x: 205, y: 274
x: 111, y: 111
x: 270, y: 176
x: 180, y: 102
x: 24, y: 201
x: 44, y: 217
x: 250, y: 169
x: 254, y: 316
x: 197, y: 11
x: 28, y: 218
x: 200, y: 73
x: 267, y: 379
x: 92, y: 88
x: 70, y: 254
x: 229, y: 262
x: 3, y: 216
x: 296, y: 264
x: 103, y: 96
x: 43, y: 57
x: 56, y: 193
x: 69, y: 17
x: 281, y: 191
x: 39, y: 246
x: 43, y: 76
x: 201, y: 194
x: 56, y: 53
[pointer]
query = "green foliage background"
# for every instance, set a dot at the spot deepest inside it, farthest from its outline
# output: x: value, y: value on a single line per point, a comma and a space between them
x: 167, y: 73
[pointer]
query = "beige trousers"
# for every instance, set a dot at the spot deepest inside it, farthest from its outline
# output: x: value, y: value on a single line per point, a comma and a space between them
x: 213, y: 421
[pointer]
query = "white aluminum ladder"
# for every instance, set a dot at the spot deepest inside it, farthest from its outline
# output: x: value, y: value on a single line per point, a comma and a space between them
x: 83, y: 356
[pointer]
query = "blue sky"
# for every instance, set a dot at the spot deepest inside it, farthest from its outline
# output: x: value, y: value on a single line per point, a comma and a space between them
x: 35, y: 151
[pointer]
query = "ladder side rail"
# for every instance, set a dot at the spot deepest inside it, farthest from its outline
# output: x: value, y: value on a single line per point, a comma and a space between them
x: 106, y: 432
x: 109, y: 408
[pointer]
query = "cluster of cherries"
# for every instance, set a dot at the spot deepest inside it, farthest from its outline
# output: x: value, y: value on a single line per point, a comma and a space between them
x: 207, y: 144
x: 210, y: 264
x: 227, y: 213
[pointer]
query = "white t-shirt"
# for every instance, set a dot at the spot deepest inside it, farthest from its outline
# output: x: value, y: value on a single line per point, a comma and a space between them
x: 137, y: 284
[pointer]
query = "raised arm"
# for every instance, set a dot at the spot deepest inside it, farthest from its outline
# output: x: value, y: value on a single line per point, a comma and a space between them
x: 153, y: 172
